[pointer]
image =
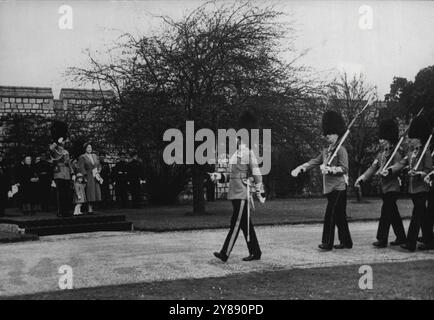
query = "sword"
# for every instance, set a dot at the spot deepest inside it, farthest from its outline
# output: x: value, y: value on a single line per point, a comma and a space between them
x: 251, y: 202
x: 248, y: 209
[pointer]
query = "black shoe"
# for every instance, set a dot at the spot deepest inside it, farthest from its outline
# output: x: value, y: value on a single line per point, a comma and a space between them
x: 221, y: 256
x: 397, y: 242
x: 342, y: 246
x: 325, y: 247
x: 252, y: 257
x: 380, y: 244
x: 407, y: 246
x: 426, y: 246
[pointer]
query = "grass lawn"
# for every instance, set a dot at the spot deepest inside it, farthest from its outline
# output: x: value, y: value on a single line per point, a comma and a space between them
x: 280, y: 211
x: 403, y: 280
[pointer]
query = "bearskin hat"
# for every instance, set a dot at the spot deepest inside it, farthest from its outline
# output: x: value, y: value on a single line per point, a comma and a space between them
x: 247, y: 121
x: 333, y: 123
x: 59, y: 129
x: 389, y: 131
x: 420, y: 129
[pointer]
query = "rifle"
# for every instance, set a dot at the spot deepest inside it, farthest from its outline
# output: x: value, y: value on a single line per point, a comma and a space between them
x: 341, y: 142
x: 401, y: 139
x: 425, y: 148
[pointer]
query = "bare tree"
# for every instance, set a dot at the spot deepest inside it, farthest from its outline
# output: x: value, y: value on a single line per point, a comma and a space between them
x: 205, y: 67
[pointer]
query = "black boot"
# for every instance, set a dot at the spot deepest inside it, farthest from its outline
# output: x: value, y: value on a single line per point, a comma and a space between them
x: 221, y: 256
x: 252, y: 257
x: 397, y: 242
x: 380, y: 244
x: 408, y: 247
x: 325, y: 247
x: 426, y: 246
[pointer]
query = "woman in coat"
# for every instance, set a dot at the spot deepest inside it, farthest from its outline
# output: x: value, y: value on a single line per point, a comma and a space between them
x: 90, y: 168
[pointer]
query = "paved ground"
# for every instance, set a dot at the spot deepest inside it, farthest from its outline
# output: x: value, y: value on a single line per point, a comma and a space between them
x: 116, y: 258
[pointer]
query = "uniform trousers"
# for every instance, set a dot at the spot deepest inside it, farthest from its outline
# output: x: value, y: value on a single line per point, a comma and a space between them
x: 239, y: 221
x: 335, y: 216
x: 390, y: 216
x: 419, y: 219
x: 64, y: 200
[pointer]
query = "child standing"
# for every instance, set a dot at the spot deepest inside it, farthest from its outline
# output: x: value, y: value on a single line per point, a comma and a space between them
x: 79, y: 193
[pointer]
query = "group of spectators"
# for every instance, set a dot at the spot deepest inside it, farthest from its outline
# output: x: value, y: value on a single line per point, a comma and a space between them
x: 43, y: 183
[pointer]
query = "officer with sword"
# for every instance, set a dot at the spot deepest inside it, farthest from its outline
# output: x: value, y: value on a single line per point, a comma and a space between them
x: 243, y: 169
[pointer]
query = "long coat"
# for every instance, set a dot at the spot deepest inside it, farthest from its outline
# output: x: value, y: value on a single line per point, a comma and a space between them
x: 28, y: 189
x: 5, y: 185
x: 93, y: 189
x: 79, y: 193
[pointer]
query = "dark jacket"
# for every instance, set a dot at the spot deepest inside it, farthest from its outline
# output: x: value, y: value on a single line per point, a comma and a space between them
x: 135, y: 171
x: 44, y: 171
x: 120, y: 173
x: 28, y: 189
x: 105, y: 172
x: 5, y: 178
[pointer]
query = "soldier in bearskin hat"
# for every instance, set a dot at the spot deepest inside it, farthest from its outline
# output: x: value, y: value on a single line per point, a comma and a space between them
x: 419, y: 165
x: 334, y: 182
x: 390, y: 186
x: 62, y: 167
x: 244, y: 167
x: 429, y: 180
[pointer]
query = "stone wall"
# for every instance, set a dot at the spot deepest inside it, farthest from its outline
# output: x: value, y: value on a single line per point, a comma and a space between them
x: 26, y: 100
x: 30, y: 109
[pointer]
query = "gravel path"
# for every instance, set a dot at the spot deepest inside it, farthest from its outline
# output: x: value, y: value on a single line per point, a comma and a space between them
x: 109, y: 258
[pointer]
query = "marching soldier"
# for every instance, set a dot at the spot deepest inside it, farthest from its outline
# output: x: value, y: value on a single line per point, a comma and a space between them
x: 334, y: 182
x: 243, y: 166
x: 429, y: 243
x: 419, y: 165
x: 429, y: 179
x: 390, y: 186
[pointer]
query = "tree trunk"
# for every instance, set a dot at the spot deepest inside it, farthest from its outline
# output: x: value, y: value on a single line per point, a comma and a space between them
x: 198, y: 190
